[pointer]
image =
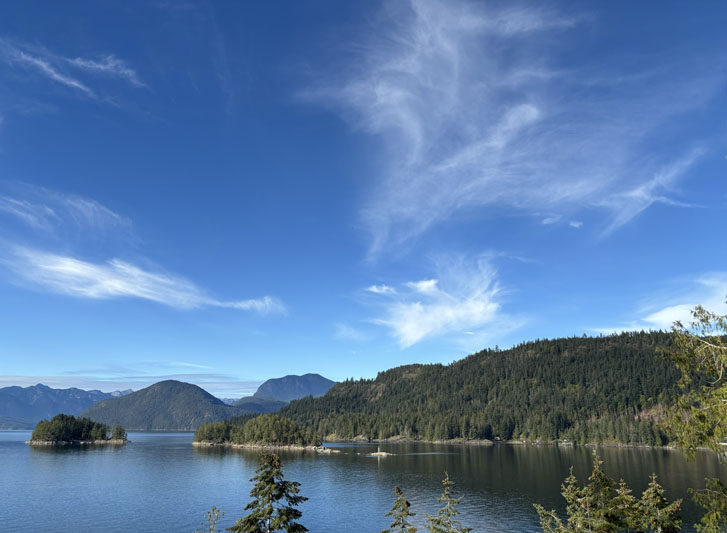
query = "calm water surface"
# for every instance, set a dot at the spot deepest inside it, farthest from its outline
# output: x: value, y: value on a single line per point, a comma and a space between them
x: 160, y: 482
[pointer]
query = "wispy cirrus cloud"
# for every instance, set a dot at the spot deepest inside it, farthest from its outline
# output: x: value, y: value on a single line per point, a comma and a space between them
x: 44, y: 209
x: 109, y: 65
x: 464, y: 297
x: 65, y: 70
x: 69, y: 218
x: 49, y: 71
x: 475, y: 108
x: 629, y: 203
x: 118, y: 279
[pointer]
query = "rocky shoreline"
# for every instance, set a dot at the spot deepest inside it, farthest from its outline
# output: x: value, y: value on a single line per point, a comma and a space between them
x: 104, y: 442
x: 265, y: 446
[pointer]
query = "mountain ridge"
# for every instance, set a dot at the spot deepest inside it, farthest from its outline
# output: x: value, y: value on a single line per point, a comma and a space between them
x: 23, y: 407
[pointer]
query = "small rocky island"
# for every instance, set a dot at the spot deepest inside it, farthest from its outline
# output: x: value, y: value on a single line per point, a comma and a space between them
x: 67, y: 430
x: 266, y: 431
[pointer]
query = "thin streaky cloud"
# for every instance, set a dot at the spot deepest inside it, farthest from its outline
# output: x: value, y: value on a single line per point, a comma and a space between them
x: 46, y: 209
x: 630, y: 203
x: 50, y: 72
x: 57, y: 68
x: 119, y: 279
x: 109, y: 65
x: 34, y: 215
x: 220, y: 385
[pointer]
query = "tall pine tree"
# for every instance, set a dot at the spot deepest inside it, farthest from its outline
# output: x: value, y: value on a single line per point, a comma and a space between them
x: 274, y: 500
x: 444, y: 521
x: 400, y: 515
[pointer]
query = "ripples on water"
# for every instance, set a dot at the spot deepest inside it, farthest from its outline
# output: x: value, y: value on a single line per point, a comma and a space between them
x: 160, y: 482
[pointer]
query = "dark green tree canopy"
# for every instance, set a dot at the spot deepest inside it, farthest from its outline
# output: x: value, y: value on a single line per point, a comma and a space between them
x: 68, y: 428
x: 262, y: 429
x: 580, y: 389
x: 445, y: 521
x: 274, y: 501
x: 604, y: 506
x: 400, y: 515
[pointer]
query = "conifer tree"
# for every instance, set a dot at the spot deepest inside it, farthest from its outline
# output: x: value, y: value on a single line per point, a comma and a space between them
x: 213, y: 517
x: 713, y: 498
x: 444, y: 521
x: 700, y: 416
x: 655, y: 513
x: 400, y: 515
x: 274, y: 500
x: 600, y: 507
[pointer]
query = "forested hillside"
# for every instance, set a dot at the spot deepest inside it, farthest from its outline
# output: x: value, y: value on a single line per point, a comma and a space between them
x: 583, y: 389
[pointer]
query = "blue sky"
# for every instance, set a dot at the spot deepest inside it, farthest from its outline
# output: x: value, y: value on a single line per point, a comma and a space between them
x: 224, y: 192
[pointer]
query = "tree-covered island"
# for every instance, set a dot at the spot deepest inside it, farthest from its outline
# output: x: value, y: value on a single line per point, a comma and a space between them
x: 263, y: 431
x: 67, y: 429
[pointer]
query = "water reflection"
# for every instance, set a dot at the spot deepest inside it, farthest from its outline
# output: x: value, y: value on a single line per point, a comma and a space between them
x: 161, y: 482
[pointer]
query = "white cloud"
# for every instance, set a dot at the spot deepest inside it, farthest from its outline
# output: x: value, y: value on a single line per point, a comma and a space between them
x: 381, y: 289
x: 470, y: 115
x: 55, y: 67
x: 45, y: 68
x: 463, y: 298
x: 109, y: 65
x: 45, y: 209
x: 426, y: 286
x: 628, y: 204
x: 119, y: 279
x: 708, y: 290
x: 575, y: 224
x: 550, y: 220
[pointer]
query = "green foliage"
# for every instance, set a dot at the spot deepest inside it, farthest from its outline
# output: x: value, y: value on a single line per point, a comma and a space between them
x: 400, y: 514
x: 602, y: 389
x: 713, y: 498
x: 699, y: 418
x: 212, y: 516
x: 68, y: 428
x: 119, y: 433
x: 602, y: 506
x: 444, y: 521
x: 274, y: 500
x: 700, y: 351
x: 263, y: 429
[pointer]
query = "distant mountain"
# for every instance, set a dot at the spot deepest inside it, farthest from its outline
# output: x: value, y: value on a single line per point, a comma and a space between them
x: 291, y: 388
x: 260, y: 405
x: 23, y: 407
x: 165, y: 406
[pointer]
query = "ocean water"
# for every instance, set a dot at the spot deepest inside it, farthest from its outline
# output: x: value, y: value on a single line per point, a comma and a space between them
x: 160, y: 482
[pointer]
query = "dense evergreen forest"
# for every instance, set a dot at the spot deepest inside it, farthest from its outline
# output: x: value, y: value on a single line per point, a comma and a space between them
x: 67, y: 428
x: 580, y: 389
x: 265, y: 429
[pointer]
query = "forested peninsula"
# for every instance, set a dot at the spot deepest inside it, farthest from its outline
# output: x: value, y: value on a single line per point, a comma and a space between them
x: 608, y: 389
x: 263, y: 431
x: 63, y: 430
